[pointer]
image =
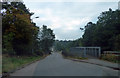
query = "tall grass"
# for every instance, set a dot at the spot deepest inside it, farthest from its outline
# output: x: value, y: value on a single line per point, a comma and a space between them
x: 111, y: 58
x: 12, y: 62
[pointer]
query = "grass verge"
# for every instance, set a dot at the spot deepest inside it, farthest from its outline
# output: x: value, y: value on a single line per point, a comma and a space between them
x: 13, y: 62
x: 111, y: 58
x: 75, y: 57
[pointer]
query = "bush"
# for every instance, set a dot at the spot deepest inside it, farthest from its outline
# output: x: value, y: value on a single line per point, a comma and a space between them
x: 110, y: 57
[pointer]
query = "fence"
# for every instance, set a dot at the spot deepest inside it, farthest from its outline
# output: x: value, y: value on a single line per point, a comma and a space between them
x: 84, y: 51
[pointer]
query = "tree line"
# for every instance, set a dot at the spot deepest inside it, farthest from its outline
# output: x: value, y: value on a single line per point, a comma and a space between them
x: 64, y: 45
x: 20, y: 35
x: 105, y: 33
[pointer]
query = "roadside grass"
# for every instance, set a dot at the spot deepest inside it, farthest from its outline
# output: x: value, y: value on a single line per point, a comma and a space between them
x: 75, y: 57
x: 111, y: 58
x: 10, y: 63
x: 82, y: 58
x: 67, y: 55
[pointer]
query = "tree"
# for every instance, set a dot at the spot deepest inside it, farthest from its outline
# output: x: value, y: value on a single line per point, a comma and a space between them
x: 88, y: 35
x: 117, y: 43
x: 105, y: 33
x: 17, y: 5
x: 19, y: 33
x: 47, y: 39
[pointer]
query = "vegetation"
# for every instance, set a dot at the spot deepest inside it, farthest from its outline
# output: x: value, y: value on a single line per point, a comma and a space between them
x: 23, y: 41
x: 73, y: 57
x: 47, y: 39
x: 11, y: 63
x: 66, y: 45
x: 20, y: 35
x: 110, y: 57
x: 105, y: 33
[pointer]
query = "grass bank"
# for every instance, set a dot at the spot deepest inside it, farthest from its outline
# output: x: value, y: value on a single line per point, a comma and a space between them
x: 74, y: 57
x: 111, y: 58
x: 13, y: 62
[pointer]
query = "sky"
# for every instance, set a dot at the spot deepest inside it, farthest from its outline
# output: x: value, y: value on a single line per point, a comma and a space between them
x: 66, y: 18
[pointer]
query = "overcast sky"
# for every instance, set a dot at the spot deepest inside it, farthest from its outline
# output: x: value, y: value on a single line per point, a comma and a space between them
x: 66, y: 18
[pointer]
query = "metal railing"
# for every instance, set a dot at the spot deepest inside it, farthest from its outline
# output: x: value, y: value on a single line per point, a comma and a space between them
x: 84, y: 51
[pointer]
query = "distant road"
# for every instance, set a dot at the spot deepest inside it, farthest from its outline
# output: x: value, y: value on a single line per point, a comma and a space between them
x: 56, y: 65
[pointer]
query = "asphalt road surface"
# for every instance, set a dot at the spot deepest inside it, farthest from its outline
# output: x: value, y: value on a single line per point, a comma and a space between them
x: 56, y: 65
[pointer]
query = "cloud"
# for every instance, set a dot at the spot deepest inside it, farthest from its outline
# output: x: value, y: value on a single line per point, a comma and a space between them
x: 66, y: 18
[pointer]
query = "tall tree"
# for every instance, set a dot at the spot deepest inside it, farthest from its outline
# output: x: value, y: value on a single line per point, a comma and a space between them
x: 105, y: 33
x: 47, y: 38
x: 18, y: 30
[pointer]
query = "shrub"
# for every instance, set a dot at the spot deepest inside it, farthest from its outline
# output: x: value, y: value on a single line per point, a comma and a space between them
x: 110, y: 57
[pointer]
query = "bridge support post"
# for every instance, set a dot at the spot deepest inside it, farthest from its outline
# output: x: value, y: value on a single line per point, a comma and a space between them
x: 99, y: 52
x: 84, y: 52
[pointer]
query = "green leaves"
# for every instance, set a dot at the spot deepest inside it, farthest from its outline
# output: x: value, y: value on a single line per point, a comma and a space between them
x: 18, y: 31
x: 47, y: 38
x: 7, y: 43
x: 117, y: 42
x: 105, y: 32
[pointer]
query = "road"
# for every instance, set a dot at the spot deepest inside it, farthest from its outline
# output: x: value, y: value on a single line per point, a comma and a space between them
x: 56, y: 65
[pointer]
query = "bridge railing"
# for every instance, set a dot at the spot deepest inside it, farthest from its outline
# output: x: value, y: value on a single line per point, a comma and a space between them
x: 84, y: 51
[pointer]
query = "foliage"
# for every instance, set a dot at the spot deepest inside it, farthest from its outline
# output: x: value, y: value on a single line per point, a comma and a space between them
x: 20, y: 5
x: 17, y: 29
x: 66, y: 45
x: 105, y: 33
x: 47, y: 38
x: 11, y: 63
x: 21, y: 36
x: 110, y: 57
x: 117, y: 43
x: 7, y: 47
